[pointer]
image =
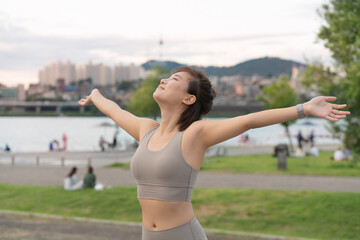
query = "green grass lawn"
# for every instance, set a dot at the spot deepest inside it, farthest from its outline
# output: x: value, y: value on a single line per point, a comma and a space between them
x: 311, y: 214
x: 266, y: 164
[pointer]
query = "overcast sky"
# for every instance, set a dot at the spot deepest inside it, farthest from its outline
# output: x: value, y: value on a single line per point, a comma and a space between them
x: 36, y: 33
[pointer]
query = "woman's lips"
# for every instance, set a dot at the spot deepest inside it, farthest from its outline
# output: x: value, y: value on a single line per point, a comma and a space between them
x: 161, y: 87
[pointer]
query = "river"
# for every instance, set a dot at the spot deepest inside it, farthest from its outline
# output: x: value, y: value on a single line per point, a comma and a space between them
x: 33, y: 134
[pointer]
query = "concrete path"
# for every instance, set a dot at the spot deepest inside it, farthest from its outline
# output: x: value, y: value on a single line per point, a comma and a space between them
x: 31, y: 175
x: 17, y: 227
x: 53, y: 174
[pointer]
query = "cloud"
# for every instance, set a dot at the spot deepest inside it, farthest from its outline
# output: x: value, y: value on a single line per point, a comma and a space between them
x: 12, y: 78
x: 4, y: 47
x: 22, y: 50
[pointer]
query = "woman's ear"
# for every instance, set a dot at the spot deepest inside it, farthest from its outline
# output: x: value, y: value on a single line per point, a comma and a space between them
x: 190, y: 99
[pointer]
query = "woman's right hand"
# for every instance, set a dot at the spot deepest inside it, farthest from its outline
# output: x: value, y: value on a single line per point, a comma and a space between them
x: 87, y: 101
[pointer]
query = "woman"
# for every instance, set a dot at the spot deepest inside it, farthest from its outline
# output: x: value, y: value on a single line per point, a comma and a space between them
x: 170, y: 154
x: 70, y: 180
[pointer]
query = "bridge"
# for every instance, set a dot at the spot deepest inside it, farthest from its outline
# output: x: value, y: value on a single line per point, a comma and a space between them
x: 38, y: 106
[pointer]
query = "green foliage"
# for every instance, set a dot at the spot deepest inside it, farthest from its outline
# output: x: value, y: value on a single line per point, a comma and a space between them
x: 280, y: 95
x: 8, y: 109
x: 341, y: 34
x: 87, y: 80
x: 321, y: 79
x: 126, y: 85
x: 142, y: 102
x: 341, y: 31
x: 56, y: 99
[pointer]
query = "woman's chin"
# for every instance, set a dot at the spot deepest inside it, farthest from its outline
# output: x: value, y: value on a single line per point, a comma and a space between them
x: 156, y: 96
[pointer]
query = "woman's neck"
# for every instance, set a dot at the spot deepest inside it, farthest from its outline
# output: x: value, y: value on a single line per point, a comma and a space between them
x: 169, y: 122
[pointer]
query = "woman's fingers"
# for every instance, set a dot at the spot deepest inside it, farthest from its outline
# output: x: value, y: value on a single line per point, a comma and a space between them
x: 82, y: 101
x: 330, y: 98
x: 331, y: 119
x: 338, y: 106
x: 338, y: 116
x: 340, y: 112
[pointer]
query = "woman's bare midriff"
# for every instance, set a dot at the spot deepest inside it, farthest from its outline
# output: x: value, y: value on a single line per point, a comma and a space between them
x: 161, y: 215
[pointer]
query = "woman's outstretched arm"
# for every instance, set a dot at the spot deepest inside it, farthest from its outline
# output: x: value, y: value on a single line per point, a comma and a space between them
x: 135, y: 126
x: 213, y: 132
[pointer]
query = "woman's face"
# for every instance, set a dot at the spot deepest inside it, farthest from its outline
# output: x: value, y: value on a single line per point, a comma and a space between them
x: 173, y: 90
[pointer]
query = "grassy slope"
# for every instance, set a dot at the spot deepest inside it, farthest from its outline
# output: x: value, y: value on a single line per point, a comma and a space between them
x: 294, y: 213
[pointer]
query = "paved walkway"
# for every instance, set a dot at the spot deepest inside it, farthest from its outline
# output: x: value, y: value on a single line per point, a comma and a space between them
x: 32, y: 175
x: 15, y: 227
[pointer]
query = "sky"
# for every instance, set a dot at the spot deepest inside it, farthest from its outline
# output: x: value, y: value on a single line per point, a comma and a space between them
x: 36, y: 33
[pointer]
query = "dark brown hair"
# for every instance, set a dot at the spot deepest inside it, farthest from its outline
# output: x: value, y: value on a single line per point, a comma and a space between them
x: 200, y: 87
x: 72, y: 172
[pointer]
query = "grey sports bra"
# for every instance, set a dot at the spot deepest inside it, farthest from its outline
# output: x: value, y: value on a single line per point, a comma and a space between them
x: 164, y: 174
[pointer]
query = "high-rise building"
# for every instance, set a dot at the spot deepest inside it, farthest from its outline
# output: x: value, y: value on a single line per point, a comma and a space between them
x: 106, y: 76
x: 94, y: 72
x: 100, y: 74
x: 133, y: 72
x: 21, y: 96
x: 70, y: 73
x: 120, y: 73
x: 80, y: 72
x: 51, y: 73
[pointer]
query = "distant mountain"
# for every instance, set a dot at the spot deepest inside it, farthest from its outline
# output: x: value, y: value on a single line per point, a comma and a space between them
x: 267, y: 66
x: 165, y: 64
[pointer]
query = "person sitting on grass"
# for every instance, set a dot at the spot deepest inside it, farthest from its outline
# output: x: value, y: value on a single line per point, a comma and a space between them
x: 89, y: 179
x: 339, y: 155
x: 70, y: 180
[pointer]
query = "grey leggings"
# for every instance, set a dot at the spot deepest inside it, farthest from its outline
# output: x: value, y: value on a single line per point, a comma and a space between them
x: 191, y: 230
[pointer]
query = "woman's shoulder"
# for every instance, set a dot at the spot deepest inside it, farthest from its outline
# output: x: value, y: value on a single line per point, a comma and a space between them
x: 195, y: 128
x: 147, y: 128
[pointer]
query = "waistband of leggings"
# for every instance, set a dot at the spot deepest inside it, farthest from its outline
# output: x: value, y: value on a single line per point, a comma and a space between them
x: 169, y: 229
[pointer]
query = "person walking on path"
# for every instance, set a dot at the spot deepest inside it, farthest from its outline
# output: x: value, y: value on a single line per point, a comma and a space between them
x: 300, y: 139
x: 170, y: 153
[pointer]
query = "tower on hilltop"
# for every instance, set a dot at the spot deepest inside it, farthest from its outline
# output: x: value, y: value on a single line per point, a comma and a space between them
x: 161, y: 43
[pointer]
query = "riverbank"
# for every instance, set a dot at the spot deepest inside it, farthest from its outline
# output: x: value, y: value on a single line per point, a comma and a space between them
x: 99, y: 158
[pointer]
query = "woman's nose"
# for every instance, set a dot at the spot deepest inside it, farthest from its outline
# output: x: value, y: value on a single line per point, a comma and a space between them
x: 162, y: 81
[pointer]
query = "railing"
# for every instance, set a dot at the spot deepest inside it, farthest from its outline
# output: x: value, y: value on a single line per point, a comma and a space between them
x: 37, y: 161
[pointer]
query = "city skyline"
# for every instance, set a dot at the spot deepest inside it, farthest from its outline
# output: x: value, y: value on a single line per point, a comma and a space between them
x: 200, y: 33
x: 99, y: 73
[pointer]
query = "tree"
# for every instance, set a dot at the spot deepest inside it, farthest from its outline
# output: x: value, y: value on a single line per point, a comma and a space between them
x: 126, y: 85
x: 321, y: 79
x: 142, y: 102
x: 279, y: 95
x: 341, y: 35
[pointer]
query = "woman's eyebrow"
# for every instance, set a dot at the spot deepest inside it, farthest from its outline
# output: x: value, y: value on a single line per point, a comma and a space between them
x: 177, y: 76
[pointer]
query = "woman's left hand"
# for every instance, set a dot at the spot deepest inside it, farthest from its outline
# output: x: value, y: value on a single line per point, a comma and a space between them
x: 320, y: 107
